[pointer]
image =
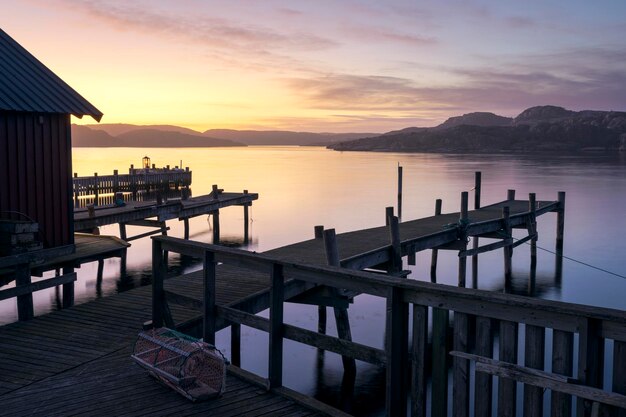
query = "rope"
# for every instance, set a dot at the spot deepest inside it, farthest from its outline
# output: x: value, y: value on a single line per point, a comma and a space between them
x: 569, y: 258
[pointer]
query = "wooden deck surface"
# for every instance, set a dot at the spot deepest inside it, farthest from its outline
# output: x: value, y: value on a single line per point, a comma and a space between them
x: 77, y: 361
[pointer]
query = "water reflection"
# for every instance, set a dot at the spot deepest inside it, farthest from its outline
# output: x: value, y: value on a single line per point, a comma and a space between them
x: 303, y: 187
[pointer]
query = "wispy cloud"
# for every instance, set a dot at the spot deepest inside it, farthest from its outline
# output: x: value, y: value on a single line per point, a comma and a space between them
x: 207, y: 30
x: 379, y: 34
x: 505, y: 88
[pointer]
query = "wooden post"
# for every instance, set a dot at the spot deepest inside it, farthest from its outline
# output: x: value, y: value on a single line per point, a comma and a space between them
x: 158, y: 274
x: 510, y: 195
x: 342, y: 319
x: 396, y: 250
x: 463, y: 237
x: 483, y: 384
x: 418, y: 361
x: 433, y: 261
x: 562, y: 363
x: 275, y: 369
x: 460, y: 367
x: 560, y: 224
x: 508, y: 353
x: 508, y: 266
x: 186, y: 228
x: 95, y: 188
x: 215, y: 191
x: 99, y: 276
x: 397, y: 353
x: 76, y: 186
x: 399, y: 191
x: 388, y: 215
x: 246, y: 221
x: 216, y: 227
x: 477, y: 192
x: 24, y: 302
x: 321, y: 310
x: 534, y: 349
x: 68, y: 289
x: 235, y: 344
x: 590, y: 361
x: 123, y: 235
x: 619, y: 377
x: 116, y: 181
x: 208, y: 280
x: 440, y: 362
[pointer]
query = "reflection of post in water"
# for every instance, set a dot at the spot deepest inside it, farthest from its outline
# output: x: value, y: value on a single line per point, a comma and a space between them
x: 346, y: 397
x: 560, y: 230
x: 477, y: 190
x: 99, y: 278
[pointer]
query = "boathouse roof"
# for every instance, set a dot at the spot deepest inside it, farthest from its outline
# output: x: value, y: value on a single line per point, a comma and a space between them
x: 27, y: 85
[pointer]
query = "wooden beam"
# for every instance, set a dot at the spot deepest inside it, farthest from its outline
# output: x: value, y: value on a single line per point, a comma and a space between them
x: 486, y: 248
x: 483, y: 384
x: 507, y: 388
x: 146, y: 234
x: 534, y: 350
x: 332, y: 344
x: 544, y: 380
x: 37, y: 286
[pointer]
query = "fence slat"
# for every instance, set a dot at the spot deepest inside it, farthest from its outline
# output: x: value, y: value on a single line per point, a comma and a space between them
x: 483, y: 383
x: 562, y: 363
x: 439, y: 398
x: 397, y: 353
x: 460, y: 369
x: 619, y: 374
x: 590, y: 361
x: 418, y: 361
x: 507, y: 388
x: 534, y: 358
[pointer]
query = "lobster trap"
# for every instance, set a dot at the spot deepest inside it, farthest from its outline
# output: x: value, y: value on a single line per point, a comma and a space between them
x: 195, y: 369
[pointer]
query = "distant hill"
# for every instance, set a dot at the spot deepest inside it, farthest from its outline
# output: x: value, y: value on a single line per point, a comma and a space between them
x: 282, y: 137
x: 83, y: 136
x: 537, y: 129
x: 116, y: 129
x: 476, y: 119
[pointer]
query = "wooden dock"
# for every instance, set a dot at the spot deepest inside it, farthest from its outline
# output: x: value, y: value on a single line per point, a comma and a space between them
x: 88, y: 346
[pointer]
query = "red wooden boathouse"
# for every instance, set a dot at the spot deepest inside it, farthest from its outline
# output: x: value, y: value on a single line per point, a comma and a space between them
x: 35, y: 143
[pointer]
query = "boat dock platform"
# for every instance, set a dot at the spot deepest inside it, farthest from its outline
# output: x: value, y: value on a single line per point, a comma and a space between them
x: 77, y: 360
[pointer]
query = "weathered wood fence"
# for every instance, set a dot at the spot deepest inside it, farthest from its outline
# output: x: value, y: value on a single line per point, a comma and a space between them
x: 135, y: 180
x: 504, y: 324
x: 19, y: 267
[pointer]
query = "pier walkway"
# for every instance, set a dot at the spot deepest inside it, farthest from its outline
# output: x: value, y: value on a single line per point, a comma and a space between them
x: 77, y: 360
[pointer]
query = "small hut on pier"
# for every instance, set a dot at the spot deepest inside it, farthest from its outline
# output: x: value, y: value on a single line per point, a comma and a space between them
x: 35, y: 143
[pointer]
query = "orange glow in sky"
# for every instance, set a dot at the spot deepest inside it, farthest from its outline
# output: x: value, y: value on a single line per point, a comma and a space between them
x: 365, y: 66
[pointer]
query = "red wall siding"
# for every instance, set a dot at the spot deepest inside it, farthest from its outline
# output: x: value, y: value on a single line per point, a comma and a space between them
x: 36, y: 173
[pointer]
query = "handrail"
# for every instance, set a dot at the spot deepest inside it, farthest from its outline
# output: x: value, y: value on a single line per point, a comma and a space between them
x: 486, y: 309
x: 549, y: 313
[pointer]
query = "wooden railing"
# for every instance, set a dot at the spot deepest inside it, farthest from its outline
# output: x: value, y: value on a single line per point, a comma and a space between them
x: 135, y: 180
x: 18, y: 268
x: 501, y: 323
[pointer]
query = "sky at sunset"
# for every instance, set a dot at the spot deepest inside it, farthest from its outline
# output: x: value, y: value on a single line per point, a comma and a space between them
x: 332, y: 66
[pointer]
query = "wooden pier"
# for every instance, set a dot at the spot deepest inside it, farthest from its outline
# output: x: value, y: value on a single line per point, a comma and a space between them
x: 136, y: 180
x: 89, y: 345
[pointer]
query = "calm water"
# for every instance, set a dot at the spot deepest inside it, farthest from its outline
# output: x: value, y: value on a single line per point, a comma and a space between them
x: 303, y: 187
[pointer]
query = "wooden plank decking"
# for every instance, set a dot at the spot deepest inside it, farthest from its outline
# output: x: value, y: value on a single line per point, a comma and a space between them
x: 77, y: 360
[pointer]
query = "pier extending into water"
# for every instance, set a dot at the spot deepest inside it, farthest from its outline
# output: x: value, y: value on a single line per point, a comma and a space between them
x: 475, y: 333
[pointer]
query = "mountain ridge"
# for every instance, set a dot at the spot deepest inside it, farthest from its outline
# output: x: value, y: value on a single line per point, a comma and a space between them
x: 536, y: 129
